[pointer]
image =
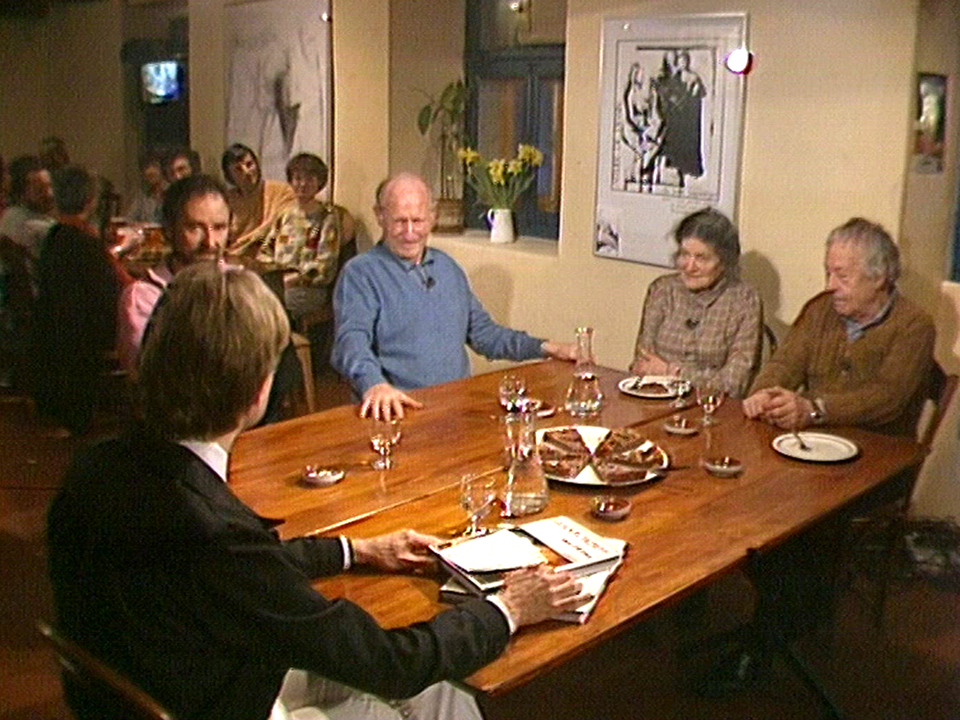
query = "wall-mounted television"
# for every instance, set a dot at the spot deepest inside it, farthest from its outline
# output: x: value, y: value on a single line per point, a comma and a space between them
x: 161, y: 81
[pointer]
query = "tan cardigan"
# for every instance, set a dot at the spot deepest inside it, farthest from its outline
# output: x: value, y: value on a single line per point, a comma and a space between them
x: 253, y: 214
x: 877, y: 381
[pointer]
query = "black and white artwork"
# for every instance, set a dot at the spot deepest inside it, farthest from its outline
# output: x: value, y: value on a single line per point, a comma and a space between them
x: 669, y: 132
x: 279, y: 80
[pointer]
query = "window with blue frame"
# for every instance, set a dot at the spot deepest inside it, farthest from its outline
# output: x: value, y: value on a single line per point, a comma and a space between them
x: 515, y: 73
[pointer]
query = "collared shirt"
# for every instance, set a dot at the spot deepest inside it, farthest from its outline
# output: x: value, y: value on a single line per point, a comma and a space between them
x: 27, y: 229
x: 406, y: 323
x: 855, y: 330
x: 718, y: 329
x: 137, y: 302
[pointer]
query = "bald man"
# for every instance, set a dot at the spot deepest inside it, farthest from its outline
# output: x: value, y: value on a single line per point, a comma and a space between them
x: 404, y: 311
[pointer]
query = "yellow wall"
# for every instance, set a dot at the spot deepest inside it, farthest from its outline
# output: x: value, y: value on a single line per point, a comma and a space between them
x: 827, y: 123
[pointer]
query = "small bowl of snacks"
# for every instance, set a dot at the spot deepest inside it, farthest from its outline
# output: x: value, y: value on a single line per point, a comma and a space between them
x: 608, y: 507
x: 724, y: 467
x: 678, y: 425
x: 314, y: 476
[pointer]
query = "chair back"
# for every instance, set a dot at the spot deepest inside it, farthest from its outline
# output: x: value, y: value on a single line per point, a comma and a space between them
x: 94, y: 676
x: 940, y: 391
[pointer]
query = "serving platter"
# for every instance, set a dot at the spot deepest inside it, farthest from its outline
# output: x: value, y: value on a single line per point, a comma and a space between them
x: 592, y: 436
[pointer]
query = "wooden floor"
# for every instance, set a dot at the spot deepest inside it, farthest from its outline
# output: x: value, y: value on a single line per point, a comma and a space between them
x: 909, y: 671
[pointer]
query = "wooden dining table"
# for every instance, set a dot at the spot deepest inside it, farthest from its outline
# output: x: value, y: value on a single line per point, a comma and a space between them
x: 683, y: 531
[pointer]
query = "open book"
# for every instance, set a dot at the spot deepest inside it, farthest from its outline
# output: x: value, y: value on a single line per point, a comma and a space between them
x: 478, y: 565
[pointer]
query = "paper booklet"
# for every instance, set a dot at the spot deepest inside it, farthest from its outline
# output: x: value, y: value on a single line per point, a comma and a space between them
x: 478, y: 565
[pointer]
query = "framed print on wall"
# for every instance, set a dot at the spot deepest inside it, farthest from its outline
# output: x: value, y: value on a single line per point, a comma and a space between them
x: 670, y: 130
x: 930, y: 123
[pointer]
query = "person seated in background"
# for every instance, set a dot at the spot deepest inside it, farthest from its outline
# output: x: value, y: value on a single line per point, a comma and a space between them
x: 155, y: 564
x: 145, y: 206
x: 859, y: 353
x: 702, y: 319
x: 403, y: 311
x: 256, y: 203
x: 196, y: 223
x: 75, y: 314
x: 53, y: 153
x: 180, y: 163
x: 307, y: 239
x: 30, y: 215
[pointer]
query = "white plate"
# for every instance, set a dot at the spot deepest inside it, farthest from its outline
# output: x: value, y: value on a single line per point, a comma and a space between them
x: 824, y: 447
x: 653, y: 387
x: 592, y: 437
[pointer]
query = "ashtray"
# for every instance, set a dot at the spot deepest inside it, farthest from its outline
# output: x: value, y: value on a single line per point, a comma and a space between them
x: 723, y: 466
x: 321, y: 477
x: 681, y: 426
x: 607, y: 507
x: 539, y: 407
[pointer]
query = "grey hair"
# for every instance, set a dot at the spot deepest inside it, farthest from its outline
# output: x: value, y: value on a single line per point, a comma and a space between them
x: 387, y: 184
x: 880, y: 254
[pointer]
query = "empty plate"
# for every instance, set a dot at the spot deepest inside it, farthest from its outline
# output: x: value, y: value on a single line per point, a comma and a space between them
x: 824, y: 447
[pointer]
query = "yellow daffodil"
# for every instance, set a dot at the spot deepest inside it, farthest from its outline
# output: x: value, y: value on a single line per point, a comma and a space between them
x: 496, y: 169
x: 530, y: 154
x: 468, y: 156
x: 500, y: 182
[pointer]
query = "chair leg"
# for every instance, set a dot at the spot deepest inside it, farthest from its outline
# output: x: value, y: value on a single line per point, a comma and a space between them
x: 302, y: 346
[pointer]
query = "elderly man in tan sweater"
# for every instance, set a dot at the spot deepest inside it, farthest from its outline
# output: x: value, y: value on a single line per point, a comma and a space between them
x: 859, y: 353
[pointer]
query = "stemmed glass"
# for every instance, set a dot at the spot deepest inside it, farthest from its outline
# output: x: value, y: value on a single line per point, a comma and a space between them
x: 681, y: 386
x: 709, y: 397
x: 513, y: 392
x: 384, y: 434
x: 477, y: 495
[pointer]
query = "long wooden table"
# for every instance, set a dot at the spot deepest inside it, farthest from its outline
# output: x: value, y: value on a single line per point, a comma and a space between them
x: 455, y: 433
x: 683, y: 531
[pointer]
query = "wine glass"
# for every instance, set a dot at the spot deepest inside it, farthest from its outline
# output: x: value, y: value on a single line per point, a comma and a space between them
x: 477, y: 495
x: 681, y: 386
x: 512, y: 393
x: 384, y: 434
x: 709, y: 398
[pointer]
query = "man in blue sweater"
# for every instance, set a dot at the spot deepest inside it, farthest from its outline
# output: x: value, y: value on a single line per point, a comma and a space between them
x: 405, y: 311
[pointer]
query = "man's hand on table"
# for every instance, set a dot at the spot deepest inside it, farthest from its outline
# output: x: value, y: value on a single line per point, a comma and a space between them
x: 383, y: 400
x: 532, y: 595
x: 778, y: 406
x: 559, y: 351
x: 401, y: 550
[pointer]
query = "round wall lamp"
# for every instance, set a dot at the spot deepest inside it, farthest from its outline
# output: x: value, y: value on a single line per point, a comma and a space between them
x: 739, y: 61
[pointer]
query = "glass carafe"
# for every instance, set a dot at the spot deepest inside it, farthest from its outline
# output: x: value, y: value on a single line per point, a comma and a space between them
x: 584, y: 397
x: 526, y: 490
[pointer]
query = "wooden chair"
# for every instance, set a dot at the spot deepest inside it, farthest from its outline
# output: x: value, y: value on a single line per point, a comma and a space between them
x: 89, y: 672
x: 874, y: 535
x: 324, y: 317
x: 302, y: 346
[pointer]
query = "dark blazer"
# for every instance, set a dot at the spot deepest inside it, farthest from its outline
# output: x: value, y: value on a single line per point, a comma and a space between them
x: 163, y: 573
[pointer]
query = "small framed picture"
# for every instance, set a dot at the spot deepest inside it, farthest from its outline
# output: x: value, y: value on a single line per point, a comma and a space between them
x: 930, y: 122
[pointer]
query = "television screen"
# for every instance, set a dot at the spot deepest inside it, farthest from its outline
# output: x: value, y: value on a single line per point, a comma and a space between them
x: 161, y: 81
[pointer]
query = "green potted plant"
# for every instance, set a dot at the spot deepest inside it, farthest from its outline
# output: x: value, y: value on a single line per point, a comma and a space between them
x: 446, y: 114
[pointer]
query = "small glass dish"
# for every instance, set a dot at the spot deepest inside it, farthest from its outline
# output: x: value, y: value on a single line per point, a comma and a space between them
x: 724, y: 467
x: 681, y: 426
x: 314, y: 476
x: 608, y: 507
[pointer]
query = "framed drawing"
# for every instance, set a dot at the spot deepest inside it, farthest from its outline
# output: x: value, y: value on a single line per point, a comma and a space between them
x: 279, y: 80
x: 670, y: 129
x: 930, y: 122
